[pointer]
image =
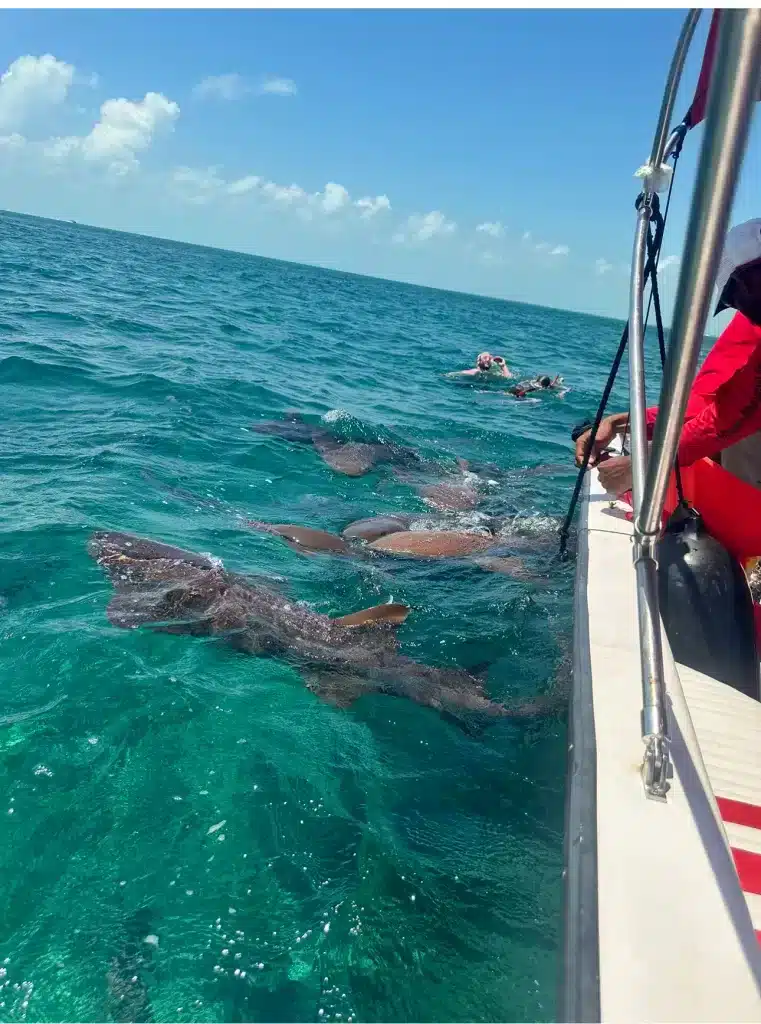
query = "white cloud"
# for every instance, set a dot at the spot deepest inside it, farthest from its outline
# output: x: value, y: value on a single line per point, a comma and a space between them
x: 198, y: 186
x: 189, y: 175
x: 31, y: 84
x: 602, y: 266
x: 202, y: 185
x: 222, y: 87
x: 670, y: 261
x: 278, y: 87
x: 550, y: 249
x: 371, y: 206
x: 125, y: 128
x: 286, y: 194
x: 526, y: 237
x: 59, y: 149
x: 333, y: 198
x: 493, y: 228
x: 205, y: 184
x: 421, y: 227
x: 243, y: 185
x: 12, y: 141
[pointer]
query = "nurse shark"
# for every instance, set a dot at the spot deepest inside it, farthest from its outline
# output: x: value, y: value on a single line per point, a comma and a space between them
x: 171, y: 590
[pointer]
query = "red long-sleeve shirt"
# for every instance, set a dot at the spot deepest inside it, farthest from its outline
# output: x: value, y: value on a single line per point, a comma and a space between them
x: 724, y: 406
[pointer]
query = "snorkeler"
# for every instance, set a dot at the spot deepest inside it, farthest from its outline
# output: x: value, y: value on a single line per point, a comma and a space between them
x: 542, y: 383
x: 486, y: 363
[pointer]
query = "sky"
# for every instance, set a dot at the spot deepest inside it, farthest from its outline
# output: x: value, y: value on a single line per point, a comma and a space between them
x: 485, y: 151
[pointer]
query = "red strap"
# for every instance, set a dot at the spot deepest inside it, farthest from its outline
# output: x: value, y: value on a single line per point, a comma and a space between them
x: 697, y: 109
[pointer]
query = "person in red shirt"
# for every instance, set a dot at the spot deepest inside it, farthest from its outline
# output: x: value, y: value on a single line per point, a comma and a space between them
x: 724, y: 408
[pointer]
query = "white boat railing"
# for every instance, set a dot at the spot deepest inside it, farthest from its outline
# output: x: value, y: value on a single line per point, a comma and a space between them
x: 733, y: 91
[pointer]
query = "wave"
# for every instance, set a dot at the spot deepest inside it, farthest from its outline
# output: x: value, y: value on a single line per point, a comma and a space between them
x: 33, y: 372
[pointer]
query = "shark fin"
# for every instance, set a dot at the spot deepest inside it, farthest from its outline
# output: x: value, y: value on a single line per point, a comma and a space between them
x: 379, y: 614
x: 303, y: 539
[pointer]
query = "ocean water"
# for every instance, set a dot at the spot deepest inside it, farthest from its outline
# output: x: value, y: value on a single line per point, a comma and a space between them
x: 370, y: 864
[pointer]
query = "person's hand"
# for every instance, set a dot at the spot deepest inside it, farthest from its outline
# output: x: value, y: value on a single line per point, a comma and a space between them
x: 616, y: 475
x: 605, y: 434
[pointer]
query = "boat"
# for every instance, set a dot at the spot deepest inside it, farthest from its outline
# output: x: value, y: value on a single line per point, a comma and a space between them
x: 662, y: 874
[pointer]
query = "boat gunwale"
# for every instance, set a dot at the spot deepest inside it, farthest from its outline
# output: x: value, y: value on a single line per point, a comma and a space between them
x: 579, y: 994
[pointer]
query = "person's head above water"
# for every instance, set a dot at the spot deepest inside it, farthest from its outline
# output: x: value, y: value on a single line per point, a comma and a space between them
x: 484, y: 361
x: 738, y: 281
x: 545, y: 381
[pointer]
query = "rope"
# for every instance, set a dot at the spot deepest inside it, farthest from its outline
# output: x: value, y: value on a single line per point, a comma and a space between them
x: 651, y: 265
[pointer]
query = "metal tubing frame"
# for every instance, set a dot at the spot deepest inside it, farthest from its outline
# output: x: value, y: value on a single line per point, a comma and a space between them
x: 660, y: 150
x: 733, y: 92
x: 637, y: 425
x: 663, y: 145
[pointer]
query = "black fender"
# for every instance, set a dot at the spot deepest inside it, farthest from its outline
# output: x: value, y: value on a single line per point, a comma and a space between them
x: 706, y: 604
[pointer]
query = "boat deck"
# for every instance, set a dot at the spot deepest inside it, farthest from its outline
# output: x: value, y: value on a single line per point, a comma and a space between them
x: 728, y: 728
x: 676, y: 936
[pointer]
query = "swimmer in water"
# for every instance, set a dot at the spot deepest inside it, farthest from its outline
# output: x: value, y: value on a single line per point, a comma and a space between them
x: 542, y: 383
x: 486, y: 364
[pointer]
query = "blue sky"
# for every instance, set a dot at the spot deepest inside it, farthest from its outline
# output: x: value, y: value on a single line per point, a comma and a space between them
x: 401, y: 132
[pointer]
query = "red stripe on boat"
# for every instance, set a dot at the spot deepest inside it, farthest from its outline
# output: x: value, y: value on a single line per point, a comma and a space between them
x: 737, y: 812
x: 749, y: 870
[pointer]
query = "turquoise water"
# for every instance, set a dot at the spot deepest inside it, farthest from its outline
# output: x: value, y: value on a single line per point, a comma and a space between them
x: 434, y: 857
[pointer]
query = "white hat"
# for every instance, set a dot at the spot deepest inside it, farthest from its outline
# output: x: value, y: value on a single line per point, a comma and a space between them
x: 742, y: 245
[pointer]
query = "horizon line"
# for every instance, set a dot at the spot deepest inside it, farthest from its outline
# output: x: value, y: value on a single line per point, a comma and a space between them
x: 312, y: 266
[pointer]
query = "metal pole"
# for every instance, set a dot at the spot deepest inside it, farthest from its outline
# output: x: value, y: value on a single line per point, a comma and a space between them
x: 637, y: 354
x: 733, y: 92
x: 675, y: 137
x: 654, y: 724
x: 658, y: 152
x: 662, y: 141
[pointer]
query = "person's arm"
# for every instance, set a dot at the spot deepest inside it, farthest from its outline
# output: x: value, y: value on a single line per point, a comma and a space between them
x: 724, y: 405
x: 610, y: 427
x: 463, y: 373
x: 732, y: 415
x: 502, y: 366
x: 733, y: 350
x: 618, y: 421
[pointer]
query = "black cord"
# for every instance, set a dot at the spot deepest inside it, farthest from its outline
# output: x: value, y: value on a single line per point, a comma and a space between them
x: 651, y: 266
x: 565, y: 529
